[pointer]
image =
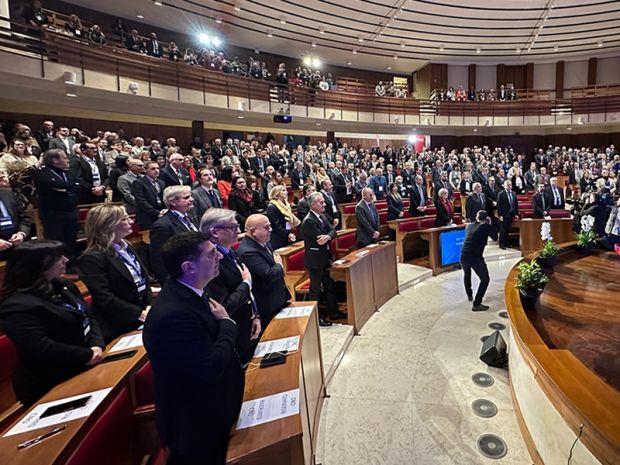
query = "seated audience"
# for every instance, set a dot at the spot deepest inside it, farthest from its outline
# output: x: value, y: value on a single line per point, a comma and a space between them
x: 74, y: 27
x: 134, y: 42
x: 96, y: 36
x: 281, y: 218
x: 47, y: 320
x: 115, y: 276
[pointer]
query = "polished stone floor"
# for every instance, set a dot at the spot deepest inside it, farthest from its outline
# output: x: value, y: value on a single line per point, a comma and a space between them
x: 402, y: 393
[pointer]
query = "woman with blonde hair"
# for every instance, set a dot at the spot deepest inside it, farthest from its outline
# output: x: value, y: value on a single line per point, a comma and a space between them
x: 117, y: 279
x: 281, y: 217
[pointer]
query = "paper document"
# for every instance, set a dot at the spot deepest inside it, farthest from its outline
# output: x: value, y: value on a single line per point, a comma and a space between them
x: 33, y: 420
x: 289, y: 344
x: 127, y: 342
x: 372, y: 246
x: 294, y: 312
x: 269, y: 408
x: 361, y: 254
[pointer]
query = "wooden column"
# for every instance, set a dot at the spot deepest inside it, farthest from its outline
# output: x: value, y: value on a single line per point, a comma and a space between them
x: 529, y: 76
x: 198, y: 130
x: 592, y: 62
x: 559, y: 80
x: 471, y: 76
x: 330, y: 137
x: 500, y: 75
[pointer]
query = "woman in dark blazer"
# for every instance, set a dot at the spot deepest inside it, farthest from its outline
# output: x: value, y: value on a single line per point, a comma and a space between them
x: 518, y: 182
x: 241, y: 200
x: 445, y: 209
x: 47, y: 320
x: 395, y: 203
x: 117, y: 279
x: 281, y: 218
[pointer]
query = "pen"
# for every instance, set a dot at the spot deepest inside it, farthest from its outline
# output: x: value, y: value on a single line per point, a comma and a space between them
x: 38, y: 439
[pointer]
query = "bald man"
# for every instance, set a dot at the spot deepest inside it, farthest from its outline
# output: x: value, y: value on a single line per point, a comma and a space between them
x: 265, y: 265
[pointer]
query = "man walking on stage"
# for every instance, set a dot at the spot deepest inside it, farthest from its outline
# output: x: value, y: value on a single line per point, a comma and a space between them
x: 476, y: 237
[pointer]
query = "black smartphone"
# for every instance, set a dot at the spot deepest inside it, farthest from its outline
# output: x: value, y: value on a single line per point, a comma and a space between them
x: 273, y: 358
x: 119, y: 356
x: 65, y: 407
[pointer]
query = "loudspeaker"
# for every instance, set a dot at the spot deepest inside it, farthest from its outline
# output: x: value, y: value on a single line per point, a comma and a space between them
x: 494, y: 351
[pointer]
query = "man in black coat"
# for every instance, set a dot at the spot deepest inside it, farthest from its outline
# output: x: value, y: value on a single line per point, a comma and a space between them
x: 472, y: 251
x: 491, y: 191
x: 541, y: 202
x: 318, y: 233
x: 176, y: 220
x: 190, y: 341
x: 508, y: 210
x: 343, y: 185
x: 418, y: 199
x: 298, y: 176
x: 45, y: 135
x: 148, y: 192
x: 152, y: 46
x: 443, y: 183
x: 15, y: 224
x: 303, y: 207
x: 270, y: 291
x: 232, y: 287
x: 331, y: 205
x: 174, y: 174
x: 475, y: 202
x: 91, y: 174
x: 367, y: 219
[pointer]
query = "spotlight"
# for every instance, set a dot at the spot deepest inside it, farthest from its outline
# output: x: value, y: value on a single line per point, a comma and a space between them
x: 204, y: 38
x: 402, y: 45
x: 316, y: 63
x: 218, y: 19
x: 396, y: 57
x: 321, y: 30
x: 360, y: 39
x: 441, y: 48
x: 556, y: 48
x: 140, y: 16
x: 216, y: 41
x: 70, y: 90
x: 389, y: 68
x: 70, y: 77
x: 237, y: 7
x: 241, y: 114
x: 397, y: 120
x: 599, y: 43
x: 412, y: 139
x: 518, y: 50
x: 354, y: 51
x: 269, y: 33
x: 478, y: 50
x: 314, y: 43
x: 332, y: 116
x: 133, y: 87
x: 475, y: 129
x: 307, y: 61
x: 349, y: 63
x: 157, y: 3
x: 317, y: 123
x: 282, y: 19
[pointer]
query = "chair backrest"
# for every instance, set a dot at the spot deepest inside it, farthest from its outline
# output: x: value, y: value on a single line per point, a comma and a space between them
x: 145, y: 390
x: 431, y: 211
x: 457, y: 219
x: 112, y: 439
x: 427, y: 223
x: 524, y: 198
x: 296, y: 261
x: 8, y: 362
x: 383, y: 217
x: 526, y: 213
x: 559, y: 213
x: 381, y: 205
x: 236, y: 245
x: 406, y: 226
x: 349, y: 209
x: 345, y: 241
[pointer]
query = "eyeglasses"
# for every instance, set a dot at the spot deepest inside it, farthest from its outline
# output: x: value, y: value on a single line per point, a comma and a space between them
x: 230, y: 227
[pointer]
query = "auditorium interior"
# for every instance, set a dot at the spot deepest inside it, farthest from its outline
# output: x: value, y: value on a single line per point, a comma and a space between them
x: 510, y: 108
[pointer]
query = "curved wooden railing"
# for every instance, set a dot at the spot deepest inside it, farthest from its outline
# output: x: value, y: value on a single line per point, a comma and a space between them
x: 577, y: 392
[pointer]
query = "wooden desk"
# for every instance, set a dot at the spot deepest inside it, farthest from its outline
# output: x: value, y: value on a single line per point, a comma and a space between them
x: 374, y: 264
x: 434, y: 249
x: 529, y: 232
x: 57, y: 449
x: 290, y: 440
x: 406, y: 245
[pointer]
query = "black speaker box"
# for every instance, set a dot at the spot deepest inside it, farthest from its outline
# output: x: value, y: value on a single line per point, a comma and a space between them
x: 494, y: 351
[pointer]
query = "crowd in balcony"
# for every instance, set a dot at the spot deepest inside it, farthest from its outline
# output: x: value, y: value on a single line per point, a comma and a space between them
x: 389, y: 89
x: 502, y: 94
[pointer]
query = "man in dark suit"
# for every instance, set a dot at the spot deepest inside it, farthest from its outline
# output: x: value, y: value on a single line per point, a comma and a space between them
x: 147, y: 192
x: 343, y: 185
x: 418, y: 200
x: 45, y: 135
x: 541, y: 202
x: 91, y: 174
x: 367, y: 219
x: 270, y: 291
x: 318, y: 233
x: 443, y: 183
x: 555, y: 195
x: 331, y: 205
x: 378, y: 184
x: 152, y: 47
x: 190, y: 341
x: 259, y: 163
x: 15, y: 224
x: 206, y: 194
x: 298, y: 176
x: 174, y: 174
x: 232, y: 287
x: 217, y: 151
x: 508, y: 210
x: 491, y: 191
x: 472, y: 258
x: 134, y: 42
x: 475, y: 202
x: 303, y: 207
x: 176, y: 220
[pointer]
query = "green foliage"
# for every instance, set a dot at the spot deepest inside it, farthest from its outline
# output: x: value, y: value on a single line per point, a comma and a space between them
x: 548, y: 250
x: 585, y: 238
x: 531, y: 278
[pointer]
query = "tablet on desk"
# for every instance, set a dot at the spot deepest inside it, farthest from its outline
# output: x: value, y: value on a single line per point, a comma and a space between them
x: 66, y: 406
x: 121, y: 356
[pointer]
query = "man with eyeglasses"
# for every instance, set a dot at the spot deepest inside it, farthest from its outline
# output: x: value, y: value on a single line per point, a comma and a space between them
x: 135, y: 168
x: 233, y: 286
x: 90, y: 173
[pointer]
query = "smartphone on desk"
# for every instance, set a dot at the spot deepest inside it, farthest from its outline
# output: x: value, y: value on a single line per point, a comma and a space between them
x: 120, y: 356
x: 65, y: 407
x: 273, y: 358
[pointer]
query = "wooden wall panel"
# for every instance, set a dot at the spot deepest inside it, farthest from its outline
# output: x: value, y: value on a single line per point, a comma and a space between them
x: 592, y: 64
x: 471, y: 76
x: 500, y: 75
x: 559, y: 80
x: 529, y: 76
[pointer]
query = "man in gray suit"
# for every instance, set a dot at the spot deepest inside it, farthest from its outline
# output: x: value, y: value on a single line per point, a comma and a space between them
x: 367, y: 219
x: 206, y: 194
x: 135, y: 169
x: 63, y: 141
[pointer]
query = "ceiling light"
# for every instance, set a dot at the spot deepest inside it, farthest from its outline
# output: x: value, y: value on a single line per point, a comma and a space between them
x: 216, y: 41
x: 360, y: 39
x: 218, y: 19
x: 140, y: 16
x: 599, y: 43
x: 402, y: 45
x: 569, y: 128
x: 269, y: 33
x: 257, y: 51
x: 316, y: 63
x: 237, y: 7
x: 441, y: 48
x: 478, y: 50
x: 349, y: 63
x: 204, y: 38
x: 396, y: 57
x: 518, y: 50
x: 313, y: 43
x: 321, y: 30
x: 240, y: 114
x: 412, y: 139
x: 354, y: 51
x: 389, y: 67
x: 556, y: 48
x: 282, y: 19
x: 475, y: 129
x: 157, y: 3
x: 307, y: 61
x: 318, y: 123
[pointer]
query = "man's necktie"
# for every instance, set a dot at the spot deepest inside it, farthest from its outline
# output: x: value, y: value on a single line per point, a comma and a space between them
x: 542, y: 197
x: 188, y: 223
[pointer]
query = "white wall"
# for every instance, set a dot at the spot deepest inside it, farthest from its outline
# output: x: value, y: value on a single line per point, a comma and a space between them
x: 575, y: 74
x: 608, y: 71
x: 486, y: 77
x: 544, y: 76
x: 457, y: 76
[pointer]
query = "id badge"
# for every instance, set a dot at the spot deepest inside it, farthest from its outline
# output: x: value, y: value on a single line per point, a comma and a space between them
x: 380, y: 188
x: 141, y: 286
x: 334, y: 208
x: 6, y: 222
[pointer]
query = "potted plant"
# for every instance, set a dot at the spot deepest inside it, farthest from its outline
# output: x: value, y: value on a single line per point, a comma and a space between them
x: 530, y: 281
x: 586, y: 238
x: 547, y: 255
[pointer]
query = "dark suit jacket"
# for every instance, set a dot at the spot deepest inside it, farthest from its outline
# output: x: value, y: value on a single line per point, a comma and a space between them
x: 161, y: 230
x: 537, y: 202
x: 279, y: 234
x: 147, y: 205
x: 503, y: 206
x: 243, y: 208
x: 331, y: 204
x: 476, y: 237
x: 316, y: 256
x: 552, y: 200
x: 415, y: 201
x: 270, y: 292
x: 170, y: 178
x: 340, y: 188
x: 229, y: 290
x: 439, y: 185
x: 50, y: 340
x: 150, y: 48
x: 21, y: 221
x: 116, y: 304
x: 297, y: 179
x: 442, y: 218
x: 43, y: 139
x: 84, y: 176
x: 395, y: 207
x: 197, y: 374
x: 367, y: 223
x: 254, y: 163
x: 302, y: 209
x: 202, y: 202
x: 134, y: 45
x: 473, y: 205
